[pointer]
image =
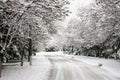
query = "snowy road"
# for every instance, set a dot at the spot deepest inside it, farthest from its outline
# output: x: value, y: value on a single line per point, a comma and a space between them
x: 64, y: 68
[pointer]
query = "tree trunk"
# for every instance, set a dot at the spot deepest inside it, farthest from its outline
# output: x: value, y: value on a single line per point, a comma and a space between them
x: 0, y: 64
x: 100, y: 52
x: 30, y: 51
x: 22, y: 57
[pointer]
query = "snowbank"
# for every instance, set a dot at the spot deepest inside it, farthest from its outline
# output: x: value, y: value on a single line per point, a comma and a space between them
x: 110, y: 65
x: 38, y: 71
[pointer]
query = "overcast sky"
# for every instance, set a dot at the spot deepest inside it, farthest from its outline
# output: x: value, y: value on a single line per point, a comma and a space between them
x: 75, y: 5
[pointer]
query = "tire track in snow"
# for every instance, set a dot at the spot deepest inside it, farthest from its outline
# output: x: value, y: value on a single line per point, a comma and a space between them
x: 70, y: 69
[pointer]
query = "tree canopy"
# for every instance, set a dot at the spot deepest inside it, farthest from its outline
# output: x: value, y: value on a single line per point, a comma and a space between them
x: 21, y: 19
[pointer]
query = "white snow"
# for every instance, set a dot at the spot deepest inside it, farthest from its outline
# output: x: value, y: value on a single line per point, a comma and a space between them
x: 41, y: 67
x: 53, y: 53
x: 85, y: 68
x: 39, y: 70
x: 110, y: 65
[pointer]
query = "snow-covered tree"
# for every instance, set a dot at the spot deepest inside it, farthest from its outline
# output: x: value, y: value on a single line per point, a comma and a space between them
x: 21, y: 19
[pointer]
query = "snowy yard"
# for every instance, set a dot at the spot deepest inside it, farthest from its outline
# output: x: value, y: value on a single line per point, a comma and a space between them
x: 38, y: 71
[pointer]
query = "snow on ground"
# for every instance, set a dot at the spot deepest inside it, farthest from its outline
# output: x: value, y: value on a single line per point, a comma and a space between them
x: 41, y: 67
x: 71, y: 67
x: 111, y: 65
x: 38, y: 71
x: 53, y: 53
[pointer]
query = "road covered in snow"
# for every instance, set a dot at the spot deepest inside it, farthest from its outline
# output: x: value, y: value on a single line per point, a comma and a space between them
x: 69, y: 68
x: 59, y: 66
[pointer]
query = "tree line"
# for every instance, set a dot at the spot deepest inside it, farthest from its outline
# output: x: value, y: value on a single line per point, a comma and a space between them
x: 25, y: 20
x: 96, y: 31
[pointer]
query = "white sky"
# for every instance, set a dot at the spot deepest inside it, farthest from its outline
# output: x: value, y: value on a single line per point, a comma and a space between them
x: 74, y: 6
